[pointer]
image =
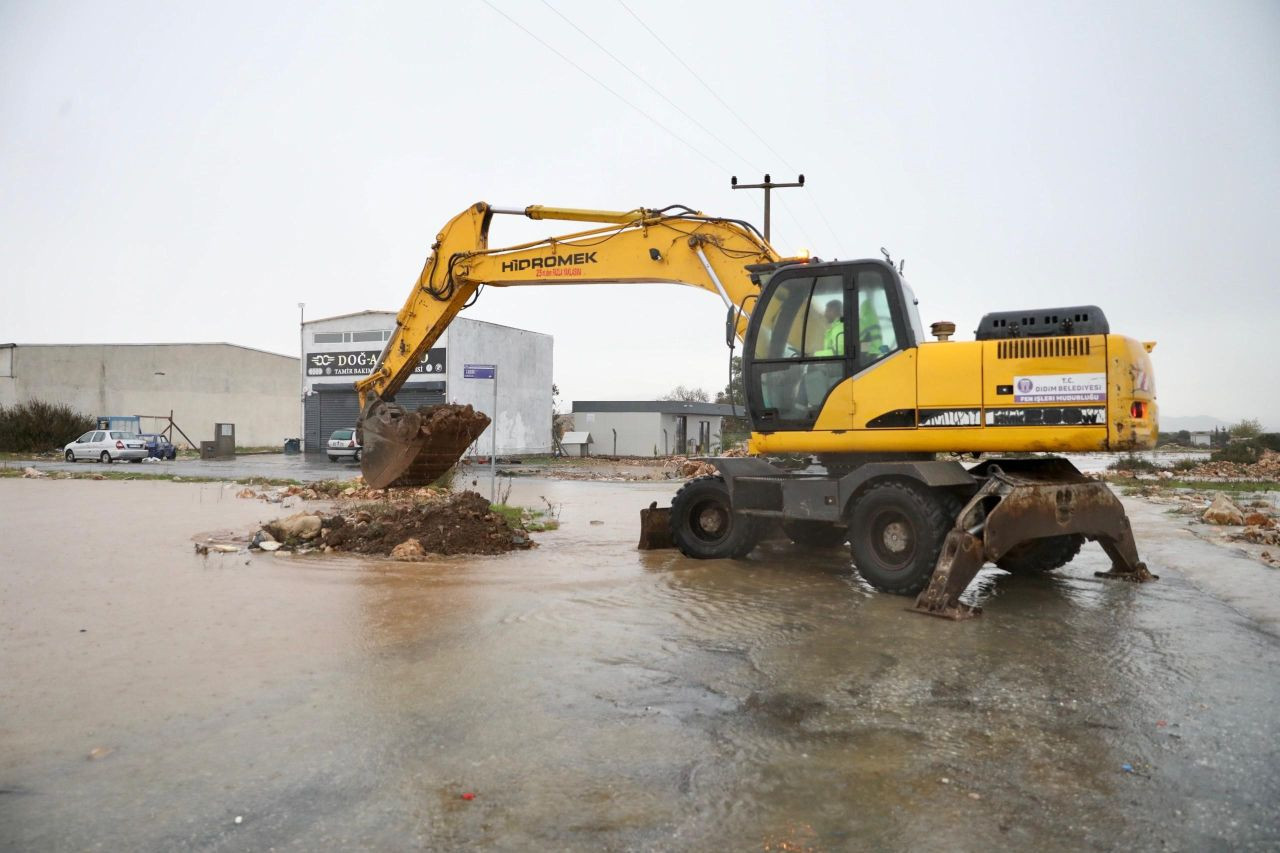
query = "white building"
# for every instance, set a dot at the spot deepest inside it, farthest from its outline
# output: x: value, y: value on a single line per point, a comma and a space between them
x: 202, y: 384
x: 339, y: 350
x: 651, y: 427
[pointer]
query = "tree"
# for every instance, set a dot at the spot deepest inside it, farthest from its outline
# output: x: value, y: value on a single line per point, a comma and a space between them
x: 734, y: 429
x: 1247, y: 428
x: 687, y: 395
x: 735, y: 392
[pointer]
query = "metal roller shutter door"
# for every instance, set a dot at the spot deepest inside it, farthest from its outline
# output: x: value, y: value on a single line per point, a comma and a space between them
x: 338, y: 408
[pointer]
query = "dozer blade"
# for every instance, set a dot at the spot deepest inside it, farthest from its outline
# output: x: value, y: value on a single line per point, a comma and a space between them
x: 1022, y: 500
x: 404, y: 448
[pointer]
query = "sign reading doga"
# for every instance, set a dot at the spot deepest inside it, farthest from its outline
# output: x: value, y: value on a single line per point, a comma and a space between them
x: 361, y: 362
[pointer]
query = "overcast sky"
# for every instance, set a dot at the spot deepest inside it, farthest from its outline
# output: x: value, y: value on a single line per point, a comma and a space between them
x: 191, y: 174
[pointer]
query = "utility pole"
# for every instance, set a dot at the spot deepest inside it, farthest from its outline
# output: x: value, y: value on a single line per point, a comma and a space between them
x: 768, y: 186
x: 302, y: 359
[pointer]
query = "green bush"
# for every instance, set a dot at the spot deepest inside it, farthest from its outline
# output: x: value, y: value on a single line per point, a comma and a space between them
x: 1239, y: 451
x: 1270, y: 440
x: 1133, y: 463
x: 1185, y: 465
x: 35, y: 426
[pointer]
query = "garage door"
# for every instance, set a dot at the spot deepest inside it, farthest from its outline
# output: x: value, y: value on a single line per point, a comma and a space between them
x: 331, y: 408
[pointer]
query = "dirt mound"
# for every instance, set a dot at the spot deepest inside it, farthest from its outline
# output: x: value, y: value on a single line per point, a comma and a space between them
x: 457, y: 524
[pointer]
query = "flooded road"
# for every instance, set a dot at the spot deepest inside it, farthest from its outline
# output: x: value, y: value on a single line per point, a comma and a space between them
x: 593, y: 696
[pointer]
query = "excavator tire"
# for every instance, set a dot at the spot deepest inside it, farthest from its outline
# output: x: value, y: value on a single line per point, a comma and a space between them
x: 1042, y: 555
x: 815, y: 534
x: 704, y: 525
x: 896, y: 534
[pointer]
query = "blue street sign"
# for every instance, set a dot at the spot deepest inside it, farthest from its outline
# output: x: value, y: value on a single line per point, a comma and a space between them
x: 479, y: 371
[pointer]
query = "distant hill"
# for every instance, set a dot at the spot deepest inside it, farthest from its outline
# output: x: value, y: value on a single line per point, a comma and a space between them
x: 1194, y: 423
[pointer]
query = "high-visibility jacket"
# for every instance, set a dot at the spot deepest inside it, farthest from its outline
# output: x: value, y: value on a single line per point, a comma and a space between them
x: 833, y: 340
x: 869, y: 337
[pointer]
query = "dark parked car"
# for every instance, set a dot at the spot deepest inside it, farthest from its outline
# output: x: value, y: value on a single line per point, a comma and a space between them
x: 158, y: 446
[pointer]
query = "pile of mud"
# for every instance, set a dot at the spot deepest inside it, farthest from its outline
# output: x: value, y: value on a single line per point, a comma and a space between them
x: 459, y: 523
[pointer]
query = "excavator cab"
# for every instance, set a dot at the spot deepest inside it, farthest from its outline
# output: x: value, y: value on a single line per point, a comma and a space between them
x: 817, y: 325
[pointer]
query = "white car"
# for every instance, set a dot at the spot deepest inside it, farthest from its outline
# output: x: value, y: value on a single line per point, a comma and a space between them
x: 106, y: 446
x: 343, y: 445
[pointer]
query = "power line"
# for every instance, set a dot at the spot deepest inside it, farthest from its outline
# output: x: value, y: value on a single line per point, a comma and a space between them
x: 607, y: 88
x: 651, y: 87
x: 713, y: 92
x: 750, y: 128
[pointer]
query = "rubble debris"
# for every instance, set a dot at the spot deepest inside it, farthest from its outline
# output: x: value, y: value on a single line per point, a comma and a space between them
x: 206, y: 548
x: 1260, y: 536
x: 33, y: 474
x: 99, y: 752
x: 1266, y: 468
x: 1258, y: 519
x: 1223, y: 511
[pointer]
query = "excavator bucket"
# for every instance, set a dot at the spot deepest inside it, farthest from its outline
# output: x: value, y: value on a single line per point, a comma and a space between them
x: 414, y: 448
x: 1023, y: 500
x: 655, y: 528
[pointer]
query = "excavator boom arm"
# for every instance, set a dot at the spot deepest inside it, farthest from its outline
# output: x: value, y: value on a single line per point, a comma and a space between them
x: 634, y: 246
x: 675, y: 245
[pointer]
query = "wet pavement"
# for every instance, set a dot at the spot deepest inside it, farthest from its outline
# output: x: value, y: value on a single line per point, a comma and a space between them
x: 595, y: 697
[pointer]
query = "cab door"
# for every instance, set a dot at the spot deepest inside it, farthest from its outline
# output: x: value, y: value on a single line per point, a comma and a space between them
x: 883, y: 390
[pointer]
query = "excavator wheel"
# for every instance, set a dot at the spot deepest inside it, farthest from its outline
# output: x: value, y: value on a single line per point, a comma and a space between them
x: 704, y: 525
x: 896, y: 534
x: 1042, y: 555
x: 815, y: 534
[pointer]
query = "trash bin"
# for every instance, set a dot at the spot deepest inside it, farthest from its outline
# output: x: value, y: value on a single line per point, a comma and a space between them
x: 293, y: 445
x: 208, y: 450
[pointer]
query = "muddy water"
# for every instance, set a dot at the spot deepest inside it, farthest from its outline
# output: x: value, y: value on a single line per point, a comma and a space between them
x: 596, y: 697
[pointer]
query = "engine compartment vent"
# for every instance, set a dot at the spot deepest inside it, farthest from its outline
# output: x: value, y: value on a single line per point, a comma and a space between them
x: 1043, y: 348
x: 1043, y: 323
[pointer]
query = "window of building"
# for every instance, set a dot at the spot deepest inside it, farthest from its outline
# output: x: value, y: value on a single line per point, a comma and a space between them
x: 361, y: 337
x: 328, y: 337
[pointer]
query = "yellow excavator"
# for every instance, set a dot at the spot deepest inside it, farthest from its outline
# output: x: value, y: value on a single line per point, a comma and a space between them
x: 838, y: 369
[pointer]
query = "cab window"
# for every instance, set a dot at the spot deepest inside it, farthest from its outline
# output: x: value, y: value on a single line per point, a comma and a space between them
x: 782, y: 329
x: 876, y: 335
x: 824, y: 330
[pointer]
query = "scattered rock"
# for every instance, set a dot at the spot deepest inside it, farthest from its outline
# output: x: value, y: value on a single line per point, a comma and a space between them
x: 1223, y: 511
x: 99, y: 752
x: 302, y: 525
x: 33, y: 474
x: 246, y: 493
x: 409, y: 549
x: 1260, y: 535
x: 269, y: 545
x: 1259, y: 519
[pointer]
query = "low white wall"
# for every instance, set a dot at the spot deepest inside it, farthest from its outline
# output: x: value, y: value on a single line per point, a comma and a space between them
x: 202, y: 383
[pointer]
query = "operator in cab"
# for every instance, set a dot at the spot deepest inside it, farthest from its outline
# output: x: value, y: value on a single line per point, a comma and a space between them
x: 833, y: 338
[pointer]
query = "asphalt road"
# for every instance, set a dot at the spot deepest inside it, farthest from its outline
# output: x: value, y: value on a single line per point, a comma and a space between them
x: 592, y: 696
